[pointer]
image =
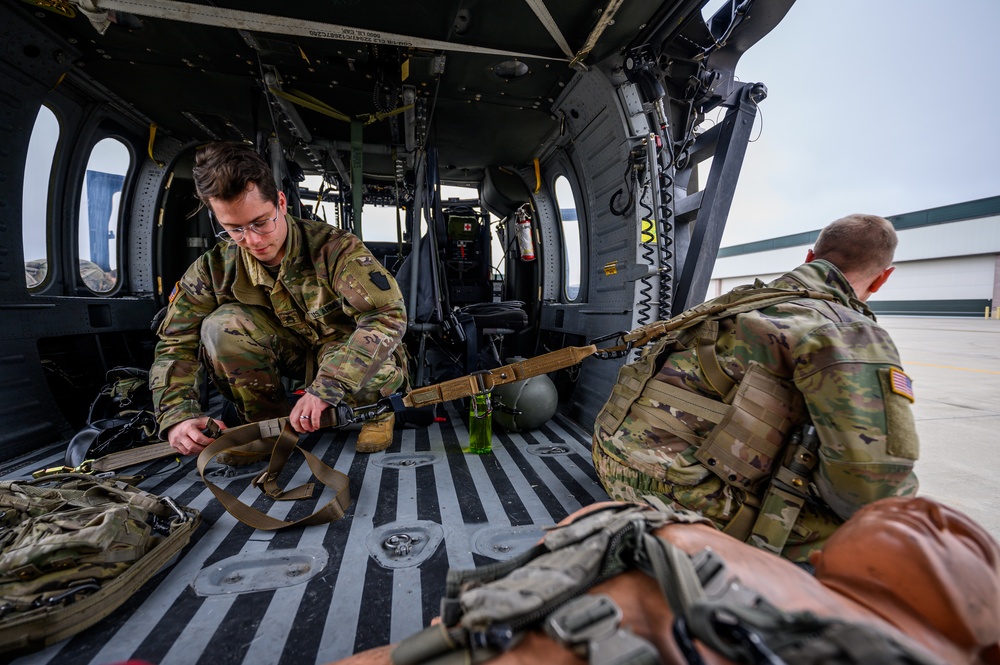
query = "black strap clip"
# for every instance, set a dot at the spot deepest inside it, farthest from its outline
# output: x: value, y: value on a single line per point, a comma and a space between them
x: 348, y: 415
x: 620, y: 350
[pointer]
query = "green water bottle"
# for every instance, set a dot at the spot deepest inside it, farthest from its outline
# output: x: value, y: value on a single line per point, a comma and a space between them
x: 481, y: 419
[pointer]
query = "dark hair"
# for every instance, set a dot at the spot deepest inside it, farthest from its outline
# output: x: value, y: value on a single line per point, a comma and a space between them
x: 225, y: 171
x: 858, y: 244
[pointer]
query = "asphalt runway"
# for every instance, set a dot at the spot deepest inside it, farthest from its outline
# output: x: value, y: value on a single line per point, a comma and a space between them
x: 955, y: 367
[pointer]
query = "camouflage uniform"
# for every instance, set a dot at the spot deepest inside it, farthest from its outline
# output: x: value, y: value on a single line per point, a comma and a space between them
x: 331, y: 303
x: 837, y: 357
x: 95, y: 278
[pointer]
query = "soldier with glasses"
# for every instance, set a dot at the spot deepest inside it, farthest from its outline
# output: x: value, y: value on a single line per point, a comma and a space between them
x: 279, y: 297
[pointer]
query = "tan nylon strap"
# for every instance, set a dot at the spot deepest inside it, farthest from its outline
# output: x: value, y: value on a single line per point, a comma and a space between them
x: 757, y: 298
x: 140, y: 454
x: 133, y: 456
x: 285, y: 443
x: 708, y: 336
x: 466, y: 386
x: 282, y: 450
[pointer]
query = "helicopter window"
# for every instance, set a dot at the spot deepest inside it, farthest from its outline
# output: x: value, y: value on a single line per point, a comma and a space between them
x: 568, y: 213
x: 99, y: 214
x: 35, y: 200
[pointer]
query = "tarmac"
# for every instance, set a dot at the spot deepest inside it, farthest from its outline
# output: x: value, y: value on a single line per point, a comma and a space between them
x: 955, y: 367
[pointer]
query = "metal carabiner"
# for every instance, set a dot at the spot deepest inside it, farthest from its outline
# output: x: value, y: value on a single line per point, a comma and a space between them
x: 484, y: 392
x: 614, y: 351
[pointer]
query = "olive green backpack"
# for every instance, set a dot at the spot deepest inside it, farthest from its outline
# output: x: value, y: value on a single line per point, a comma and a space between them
x: 73, y: 548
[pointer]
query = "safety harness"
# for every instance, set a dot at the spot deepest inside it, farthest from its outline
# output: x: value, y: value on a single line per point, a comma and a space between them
x: 488, y: 610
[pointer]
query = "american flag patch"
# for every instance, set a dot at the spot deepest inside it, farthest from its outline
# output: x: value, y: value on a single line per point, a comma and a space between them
x: 901, y: 384
x: 173, y: 294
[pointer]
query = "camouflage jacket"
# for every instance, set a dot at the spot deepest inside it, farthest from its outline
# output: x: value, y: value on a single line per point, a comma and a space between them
x: 838, y: 358
x: 329, y: 290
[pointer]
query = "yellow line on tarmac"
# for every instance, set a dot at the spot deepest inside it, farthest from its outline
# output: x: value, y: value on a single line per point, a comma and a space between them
x: 961, y: 369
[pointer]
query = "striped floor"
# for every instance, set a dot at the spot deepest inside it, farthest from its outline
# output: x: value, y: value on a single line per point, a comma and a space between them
x: 461, y: 510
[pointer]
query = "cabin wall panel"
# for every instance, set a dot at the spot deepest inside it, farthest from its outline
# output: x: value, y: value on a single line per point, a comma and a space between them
x: 598, y: 151
x: 31, y: 63
x: 28, y: 417
x: 146, y: 216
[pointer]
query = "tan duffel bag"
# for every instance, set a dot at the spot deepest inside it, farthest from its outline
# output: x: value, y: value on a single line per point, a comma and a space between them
x: 906, y: 580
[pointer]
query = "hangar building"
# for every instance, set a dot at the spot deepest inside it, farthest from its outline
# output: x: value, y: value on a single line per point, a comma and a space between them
x: 947, y: 261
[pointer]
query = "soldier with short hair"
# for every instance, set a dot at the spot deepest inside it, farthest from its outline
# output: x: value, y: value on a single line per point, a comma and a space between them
x: 704, y: 419
x: 279, y: 297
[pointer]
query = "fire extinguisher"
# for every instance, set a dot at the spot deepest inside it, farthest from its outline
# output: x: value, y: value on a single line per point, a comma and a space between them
x: 523, y: 230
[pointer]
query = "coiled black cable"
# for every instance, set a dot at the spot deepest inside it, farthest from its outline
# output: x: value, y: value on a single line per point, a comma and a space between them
x: 647, y: 236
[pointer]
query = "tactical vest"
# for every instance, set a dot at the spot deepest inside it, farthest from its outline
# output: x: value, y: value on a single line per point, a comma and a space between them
x: 488, y: 611
x: 73, y: 548
x: 753, y: 419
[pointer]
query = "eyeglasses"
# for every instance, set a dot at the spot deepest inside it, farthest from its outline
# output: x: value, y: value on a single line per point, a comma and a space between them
x: 261, y: 228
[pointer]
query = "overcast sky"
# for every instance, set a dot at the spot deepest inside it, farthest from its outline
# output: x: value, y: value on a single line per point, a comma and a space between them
x: 877, y: 106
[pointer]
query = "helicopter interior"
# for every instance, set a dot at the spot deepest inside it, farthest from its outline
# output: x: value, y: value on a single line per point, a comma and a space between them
x: 358, y: 110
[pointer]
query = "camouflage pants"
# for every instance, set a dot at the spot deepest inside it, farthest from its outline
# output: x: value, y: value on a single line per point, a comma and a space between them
x: 247, y: 352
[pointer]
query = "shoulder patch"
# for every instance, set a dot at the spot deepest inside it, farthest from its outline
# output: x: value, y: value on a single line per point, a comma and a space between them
x: 173, y: 294
x: 379, y: 279
x: 901, y: 431
x: 365, y: 260
x: 901, y: 384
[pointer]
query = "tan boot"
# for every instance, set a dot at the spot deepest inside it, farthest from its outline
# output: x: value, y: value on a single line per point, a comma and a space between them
x: 375, y: 435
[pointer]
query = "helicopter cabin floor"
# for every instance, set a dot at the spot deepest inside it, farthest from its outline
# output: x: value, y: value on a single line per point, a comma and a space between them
x: 462, y: 510
x: 318, y: 594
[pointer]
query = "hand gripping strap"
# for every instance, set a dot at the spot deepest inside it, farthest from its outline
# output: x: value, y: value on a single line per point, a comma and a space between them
x: 285, y: 439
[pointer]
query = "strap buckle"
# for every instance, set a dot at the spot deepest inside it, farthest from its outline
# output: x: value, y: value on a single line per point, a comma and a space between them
x: 585, y: 619
x: 591, y: 626
x: 85, y: 467
x: 393, y: 402
x: 620, y: 350
x: 719, y: 582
